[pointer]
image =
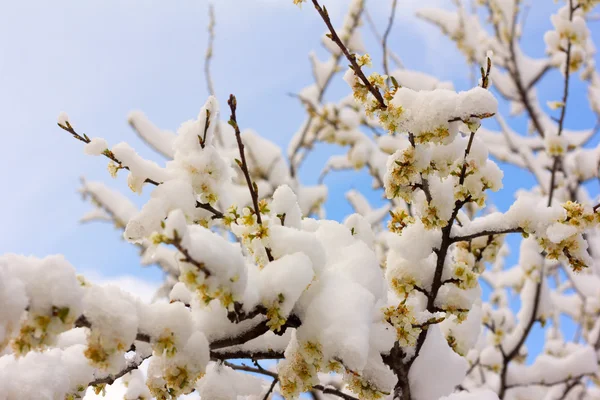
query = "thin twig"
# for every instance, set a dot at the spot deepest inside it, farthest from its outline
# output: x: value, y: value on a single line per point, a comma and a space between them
x: 110, y: 379
x: 351, y: 57
x: 271, y: 388
x: 110, y: 155
x: 335, y: 392
x: 507, y: 357
x: 209, y: 49
x: 295, y: 164
x: 486, y: 232
x: 515, y: 73
x: 384, y: 40
x: 393, y: 56
x: 232, y: 102
x: 563, y: 111
x: 107, y: 153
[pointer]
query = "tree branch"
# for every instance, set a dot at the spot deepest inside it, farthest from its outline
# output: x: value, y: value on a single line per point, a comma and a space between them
x: 232, y: 102
x: 563, y: 111
x: 108, y: 154
x: 110, y: 379
x: 209, y: 49
x: 336, y: 60
x: 351, y: 57
x: 384, y: 40
x: 472, y: 236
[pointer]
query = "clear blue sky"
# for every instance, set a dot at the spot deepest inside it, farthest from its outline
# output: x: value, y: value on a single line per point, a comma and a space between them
x: 99, y: 60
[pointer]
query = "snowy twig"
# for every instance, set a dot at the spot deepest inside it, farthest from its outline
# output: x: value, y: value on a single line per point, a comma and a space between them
x: 107, y: 153
x: 110, y: 379
x: 232, y: 102
x: 472, y: 236
x: 563, y: 109
x: 295, y: 164
x: 351, y: 57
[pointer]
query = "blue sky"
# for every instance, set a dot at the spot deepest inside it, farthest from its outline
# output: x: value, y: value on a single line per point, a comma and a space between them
x: 99, y: 60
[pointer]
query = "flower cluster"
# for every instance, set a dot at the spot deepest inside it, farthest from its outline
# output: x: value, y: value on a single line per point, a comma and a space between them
x: 568, y: 42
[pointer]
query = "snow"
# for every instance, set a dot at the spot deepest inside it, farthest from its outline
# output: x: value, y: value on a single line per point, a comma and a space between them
x: 357, y: 287
x: 285, y: 203
x: 288, y: 277
x: 46, y: 376
x: 224, y: 383
x: 63, y: 118
x: 139, y: 167
x: 547, y: 369
x: 95, y: 147
x: 437, y: 369
x: 473, y: 395
x: 161, y: 141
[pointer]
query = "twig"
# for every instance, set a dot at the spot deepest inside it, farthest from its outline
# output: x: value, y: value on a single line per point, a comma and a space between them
x: 240, y: 354
x: 507, y: 357
x: 335, y: 392
x: 563, y: 111
x: 472, y: 236
x: 206, y: 206
x: 110, y: 379
x: 393, y: 56
x: 110, y: 155
x: 176, y: 242
x: 515, y: 73
x: 246, y: 368
x: 548, y: 384
x: 324, y: 389
x: 232, y: 102
x: 351, y: 57
x: 385, y: 38
x: 336, y: 60
x: 107, y: 153
x: 209, y: 49
x: 271, y: 388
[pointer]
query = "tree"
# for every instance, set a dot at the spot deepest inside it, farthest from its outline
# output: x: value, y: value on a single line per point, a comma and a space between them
x: 387, y: 304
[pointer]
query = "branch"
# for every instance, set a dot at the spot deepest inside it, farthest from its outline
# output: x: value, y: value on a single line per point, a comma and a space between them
x: 176, y: 242
x: 385, y: 38
x: 335, y: 392
x: 484, y: 233
x: 110, y: 379
x: 394, y: 57
x: 548, y: 384
x: 351, y: 57
x: 108, y: 154
x: 563, y: 111
x: 322, y: 89
x: 271, y: 388
x: 206, y: 206
x: 83, y: 322
x: 251, y: 354
x: 515, y: 74
x: 254, y: 370
x: 253, y: 333
x: 509, y: 356
x: 232, y: 102
x: 262, y: 371
x: 209, y: 49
